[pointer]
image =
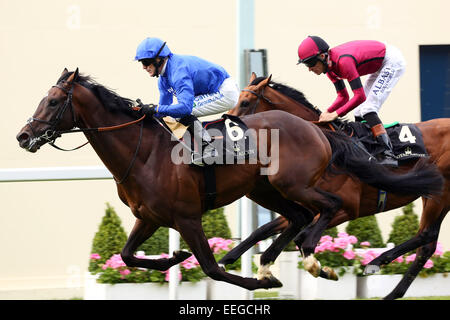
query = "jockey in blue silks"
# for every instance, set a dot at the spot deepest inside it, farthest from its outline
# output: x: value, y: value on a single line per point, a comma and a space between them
x: 201, y: 87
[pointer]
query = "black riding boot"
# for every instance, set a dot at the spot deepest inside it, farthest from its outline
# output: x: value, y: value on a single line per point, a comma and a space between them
x: 389, y: 157
x: 205, y: 151
x: 382, y: 137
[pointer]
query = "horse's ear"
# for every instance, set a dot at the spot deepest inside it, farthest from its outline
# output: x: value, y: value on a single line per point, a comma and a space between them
x: 265, y: 82
x: 64, y: 72
x: 73, y: 77
x: 252, y: 78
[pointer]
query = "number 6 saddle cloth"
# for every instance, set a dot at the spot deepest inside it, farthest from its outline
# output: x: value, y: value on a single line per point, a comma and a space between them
x: 406, y: 140
x: 231, y: 138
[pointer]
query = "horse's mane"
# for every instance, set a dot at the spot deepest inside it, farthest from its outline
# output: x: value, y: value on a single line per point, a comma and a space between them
x: 110, y: 99
x: 288, y: 91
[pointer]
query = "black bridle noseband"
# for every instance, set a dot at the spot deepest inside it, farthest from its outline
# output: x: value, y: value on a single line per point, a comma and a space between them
x: 52, y: 134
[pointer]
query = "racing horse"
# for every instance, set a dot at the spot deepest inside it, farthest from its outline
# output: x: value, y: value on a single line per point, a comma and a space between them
x: 359, y: 199
x: 161, y: 192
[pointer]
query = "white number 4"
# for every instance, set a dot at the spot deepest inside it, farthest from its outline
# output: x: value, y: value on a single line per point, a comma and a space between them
x: 406, y: 135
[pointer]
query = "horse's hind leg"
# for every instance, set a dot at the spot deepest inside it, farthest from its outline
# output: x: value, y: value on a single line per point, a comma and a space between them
x: 141, y: 232
x: 423, y: 254
x: 192, y: 232
x: 432, y: 216
x: 328, y: 205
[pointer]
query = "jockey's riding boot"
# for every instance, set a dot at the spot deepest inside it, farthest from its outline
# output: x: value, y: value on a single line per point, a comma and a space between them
x: 206, y: 151
x: 380, y: 134
x: 389, y: 157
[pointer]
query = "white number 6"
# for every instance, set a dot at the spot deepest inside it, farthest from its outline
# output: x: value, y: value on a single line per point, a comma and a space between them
x: 235, y: 133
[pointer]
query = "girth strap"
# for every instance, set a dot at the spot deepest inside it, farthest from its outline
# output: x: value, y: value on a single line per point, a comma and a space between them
x: 209, y: 174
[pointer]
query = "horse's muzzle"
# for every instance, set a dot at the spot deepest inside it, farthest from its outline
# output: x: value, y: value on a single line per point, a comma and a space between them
x: 28, y: 143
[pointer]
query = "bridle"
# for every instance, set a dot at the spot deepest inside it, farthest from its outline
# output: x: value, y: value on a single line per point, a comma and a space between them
x: 52, y: 134
x: 259, y: 97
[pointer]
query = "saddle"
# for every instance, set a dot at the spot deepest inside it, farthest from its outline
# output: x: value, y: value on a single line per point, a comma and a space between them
x: 406, y: 139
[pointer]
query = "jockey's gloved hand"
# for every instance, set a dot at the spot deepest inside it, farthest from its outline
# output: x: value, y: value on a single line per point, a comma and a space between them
x: 148, y: 109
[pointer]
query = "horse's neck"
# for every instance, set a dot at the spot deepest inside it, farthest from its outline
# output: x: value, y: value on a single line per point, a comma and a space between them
x: 115, y: 147
x: 294, y: 107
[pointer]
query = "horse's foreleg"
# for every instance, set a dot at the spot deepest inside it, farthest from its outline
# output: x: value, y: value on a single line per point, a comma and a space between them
x: 141, y: 232
x: 192, y: 232
x: 269, y: 229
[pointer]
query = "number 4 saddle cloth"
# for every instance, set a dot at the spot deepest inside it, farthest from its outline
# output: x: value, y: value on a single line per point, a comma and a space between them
x: 406, y: 140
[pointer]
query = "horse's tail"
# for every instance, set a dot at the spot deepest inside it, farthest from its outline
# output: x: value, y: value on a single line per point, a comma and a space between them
x: 424, y: 179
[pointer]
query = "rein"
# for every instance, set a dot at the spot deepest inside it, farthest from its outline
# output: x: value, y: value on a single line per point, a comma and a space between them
x: 51, y: 135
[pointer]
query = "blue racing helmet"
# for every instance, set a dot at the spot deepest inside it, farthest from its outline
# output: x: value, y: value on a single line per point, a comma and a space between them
x: 151, y: 48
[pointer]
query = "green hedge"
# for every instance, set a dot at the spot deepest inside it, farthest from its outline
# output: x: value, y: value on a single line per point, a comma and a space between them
x: 109, y: 239
x: 404, y: 226
x: 366, y: 229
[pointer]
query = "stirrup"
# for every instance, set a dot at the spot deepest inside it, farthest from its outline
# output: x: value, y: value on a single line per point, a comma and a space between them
x: 199, y: 160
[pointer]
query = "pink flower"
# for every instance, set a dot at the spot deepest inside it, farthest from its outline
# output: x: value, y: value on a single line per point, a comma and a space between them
x: 342, y: 235
x: 365, y: 244
x: 325, y: 239
x: 399, y: 259
x: 219, y: 244
x: 125, y: 272
x: 349, y: 255
x: 411, y: 258
x: 439, y: 249
x: 114, y: 262
x: 167, y: 277
x: 352, y: 239
x: 368, y: 256
x: 429, y: 264
x: 95, y: 256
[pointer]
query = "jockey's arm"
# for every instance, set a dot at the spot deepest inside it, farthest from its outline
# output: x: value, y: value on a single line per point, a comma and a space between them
x: 349, y: 72
x: 184, y: 90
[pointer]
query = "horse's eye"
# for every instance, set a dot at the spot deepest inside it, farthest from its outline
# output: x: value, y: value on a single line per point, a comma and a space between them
x: 245, y: 104
x: 53, y: 102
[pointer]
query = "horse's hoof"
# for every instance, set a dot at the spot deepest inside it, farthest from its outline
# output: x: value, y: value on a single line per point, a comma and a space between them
x: 181, y: 255
x: 264, y: 272
x: 222, y: 267
x: 371, y: 269
x: 271, y: 282
x: 275, y: 283
x: 312, y: 265
x: 330, y: 273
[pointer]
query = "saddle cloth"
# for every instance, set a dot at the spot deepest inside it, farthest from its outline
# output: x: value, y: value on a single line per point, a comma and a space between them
x: 229, y: 136
x: 230, y: 139
x: 406, y: 140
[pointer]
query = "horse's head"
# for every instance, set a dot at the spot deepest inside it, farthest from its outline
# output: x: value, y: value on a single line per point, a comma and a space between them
x: 251, y: 97
x: 54, y: 114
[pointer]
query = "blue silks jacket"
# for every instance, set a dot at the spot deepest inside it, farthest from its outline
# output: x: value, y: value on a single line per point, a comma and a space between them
x: 187, y: 77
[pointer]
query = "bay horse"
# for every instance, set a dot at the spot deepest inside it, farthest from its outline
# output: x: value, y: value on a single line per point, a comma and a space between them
x: 160, y: 192
x: 359, y: 199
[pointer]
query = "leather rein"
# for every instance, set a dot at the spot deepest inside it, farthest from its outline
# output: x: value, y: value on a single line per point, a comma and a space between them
x: 52, y: 134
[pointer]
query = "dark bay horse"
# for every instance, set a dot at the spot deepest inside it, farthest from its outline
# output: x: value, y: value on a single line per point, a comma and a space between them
x: 359, y: 199
x: 160, y: 192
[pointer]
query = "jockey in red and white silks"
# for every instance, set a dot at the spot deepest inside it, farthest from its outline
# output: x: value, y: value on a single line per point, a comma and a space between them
x: 383, y: 63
